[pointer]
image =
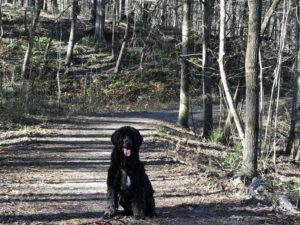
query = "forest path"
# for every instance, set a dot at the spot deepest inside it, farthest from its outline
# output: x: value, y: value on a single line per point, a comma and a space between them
x: 60, y: 178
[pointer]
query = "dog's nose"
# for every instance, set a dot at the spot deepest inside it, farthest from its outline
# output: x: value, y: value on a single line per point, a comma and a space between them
x: 127, y: 142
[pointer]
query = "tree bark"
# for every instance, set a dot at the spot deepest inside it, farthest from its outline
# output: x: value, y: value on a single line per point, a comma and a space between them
x: 100, y: 18
x: 1, y: 25
x: 120, y: 10
x: 292, y: 148
x: 206, y: 59
x: 252, y: 89
x: 45, y: 5
x: 113, y: 29
x: 243, y: 19
x: 94, y: 12
x: 54, y: 6
x: 75, y: 12
x: 183, y: 117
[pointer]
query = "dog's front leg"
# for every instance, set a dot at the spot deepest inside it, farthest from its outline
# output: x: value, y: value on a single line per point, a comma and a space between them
x: 112, y: 195
x: 112, y: 203
x: 138, y: 206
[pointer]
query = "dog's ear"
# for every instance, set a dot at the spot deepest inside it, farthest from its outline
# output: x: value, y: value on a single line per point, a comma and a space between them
x: 138, y: 138
x: 116, y: 136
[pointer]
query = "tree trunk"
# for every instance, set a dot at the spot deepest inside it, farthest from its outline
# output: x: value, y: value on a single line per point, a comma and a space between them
x: 126, y: 8
x: 100, y: 17
x: 243, y: 19
x: 54, y: 6
x: 268, y: 15
x: 121, y: 53
x: 1, y: 25
x: 35, y: 18
x: 45, y: 5
x: 183, y: 117
x: 252, y: 89
x: 28, y: 3
x: 75, y: 12
x: 228, y: 122
x: 113, y: 29
x: 206, y: 59
x: 293, y: 143
x: 94, y: 12
x: 121, y: 9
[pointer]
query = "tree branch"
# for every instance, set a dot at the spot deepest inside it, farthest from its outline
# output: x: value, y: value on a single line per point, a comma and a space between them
x: 268, y: 16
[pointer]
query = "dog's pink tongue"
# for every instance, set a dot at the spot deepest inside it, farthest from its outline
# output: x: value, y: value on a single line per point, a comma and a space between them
x: 127, y: 152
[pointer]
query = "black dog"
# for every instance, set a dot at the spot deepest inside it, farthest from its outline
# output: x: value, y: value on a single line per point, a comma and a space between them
x: 127, y: 181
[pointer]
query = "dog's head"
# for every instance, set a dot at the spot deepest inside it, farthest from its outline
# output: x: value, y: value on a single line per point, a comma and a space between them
x: 128, y: 140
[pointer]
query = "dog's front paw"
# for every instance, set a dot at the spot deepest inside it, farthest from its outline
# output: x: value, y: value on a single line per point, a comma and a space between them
x: 109, y: 214
x: 139, y: 217
x: 153, y: 214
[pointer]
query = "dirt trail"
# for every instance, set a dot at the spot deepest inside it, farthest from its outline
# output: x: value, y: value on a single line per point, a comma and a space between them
x: 59, y: 178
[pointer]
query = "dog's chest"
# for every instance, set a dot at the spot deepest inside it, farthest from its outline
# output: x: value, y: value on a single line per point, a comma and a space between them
x: 126, y: 181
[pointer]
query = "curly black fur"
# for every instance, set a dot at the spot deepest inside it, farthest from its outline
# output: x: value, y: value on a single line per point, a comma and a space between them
x: 127, y: 181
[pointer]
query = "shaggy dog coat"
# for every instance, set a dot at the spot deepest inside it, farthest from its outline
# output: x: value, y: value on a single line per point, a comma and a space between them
x: 127, y: 181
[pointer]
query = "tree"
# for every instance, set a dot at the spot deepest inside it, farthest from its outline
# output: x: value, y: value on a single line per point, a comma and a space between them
x: 45, y: 5
x: 122, y: 50
x: 292, y: 147
x: 54, y: 6
x: 93, y: 12
x: 100, y: 18
x: 252, y: 89
x: 206, y: 61
x: 1, y: 26
x: 114, y: 8
x: 183, y: 116
x: 268, y: 15
x: 35, y: 11
x: 75, y: 12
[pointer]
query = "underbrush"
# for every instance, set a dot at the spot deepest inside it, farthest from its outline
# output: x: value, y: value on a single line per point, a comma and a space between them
x: 89, y: 85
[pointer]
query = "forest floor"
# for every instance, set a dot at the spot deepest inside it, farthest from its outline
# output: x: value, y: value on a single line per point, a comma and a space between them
x: 56, y: 174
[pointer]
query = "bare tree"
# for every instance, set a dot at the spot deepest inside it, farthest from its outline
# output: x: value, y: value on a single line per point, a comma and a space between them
x: 35, y: 11
x: 54, y: 6
x: 100, y: 18
x: 114, y: 4
x: 45, y: 5
x: 121, y: 53
x: 208, y: 10
x: 59, y: 66
x: 252, y: 89
x: 293, y: 143
x: 75, y: 12
x: 183, y: 117
x: 1, y: 25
